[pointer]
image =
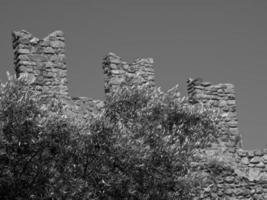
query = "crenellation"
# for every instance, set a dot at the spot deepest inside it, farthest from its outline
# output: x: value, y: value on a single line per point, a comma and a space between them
x: 43, y: 58
x: 245, y: 175
x: 119, y: 73
x: 222, y: 97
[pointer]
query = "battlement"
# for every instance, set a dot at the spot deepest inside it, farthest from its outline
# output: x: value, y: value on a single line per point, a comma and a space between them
x: 45, y: 60
x: 222, y: 97
x: 119, y: 73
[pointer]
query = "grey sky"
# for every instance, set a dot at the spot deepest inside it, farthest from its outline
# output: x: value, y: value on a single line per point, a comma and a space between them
x: 220, y: 41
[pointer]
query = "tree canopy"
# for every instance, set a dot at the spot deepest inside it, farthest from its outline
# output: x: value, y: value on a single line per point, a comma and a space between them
x: 141, y: 147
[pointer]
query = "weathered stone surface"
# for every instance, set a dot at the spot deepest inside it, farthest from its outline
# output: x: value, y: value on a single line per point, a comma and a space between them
x: 118, y: 72
x: 42, y: 57
x: 245, y: 161
x: 254, y: 174
x: 57, y: 44
x: 260, y: 165
x: 265, y: 158
x: 218, y: 97
x: 255, y: 160
x: 23, y: 51
x: 229, y: 179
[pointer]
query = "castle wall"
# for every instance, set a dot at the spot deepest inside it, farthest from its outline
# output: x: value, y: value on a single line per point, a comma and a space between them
x: 119, y: 73
x: 247, y: 178
x: 253, y: 163
x: 42, y: 58
x: 232, y: 186
x: 222, y: 97
x: 243, y: 177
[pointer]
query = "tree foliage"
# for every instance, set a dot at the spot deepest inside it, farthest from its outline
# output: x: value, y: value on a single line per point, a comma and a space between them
x: 140, y: 148
x: 37, y: 144
x: 155, y: 138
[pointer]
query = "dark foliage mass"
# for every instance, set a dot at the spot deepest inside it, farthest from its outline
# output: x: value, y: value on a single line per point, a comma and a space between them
x: 140, y: 148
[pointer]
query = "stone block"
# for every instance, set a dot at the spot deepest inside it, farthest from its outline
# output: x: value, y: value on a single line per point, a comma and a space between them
x: 254, y: 174
x: 23, y: 51
x: 57, y: 44
x: 256, y: 160
x: 244, y: 161
x: 229, y: 179
x: 260, y: 165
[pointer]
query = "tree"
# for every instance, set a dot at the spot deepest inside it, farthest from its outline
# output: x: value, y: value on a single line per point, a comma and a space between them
x: 147, y: 140
x: 140, y: 148
x: 37, y: 146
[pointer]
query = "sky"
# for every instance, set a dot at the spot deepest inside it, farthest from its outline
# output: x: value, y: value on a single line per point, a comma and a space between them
x: 220, y: 41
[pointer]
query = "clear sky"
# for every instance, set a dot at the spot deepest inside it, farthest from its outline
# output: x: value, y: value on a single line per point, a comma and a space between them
x: 220, y: 41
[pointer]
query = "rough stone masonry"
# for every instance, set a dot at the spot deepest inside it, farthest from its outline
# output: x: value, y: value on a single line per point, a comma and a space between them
x: 45, y: 60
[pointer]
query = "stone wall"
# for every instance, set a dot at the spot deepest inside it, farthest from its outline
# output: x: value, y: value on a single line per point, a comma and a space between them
x: 244, y: 175
x: 119, y: 73
x: 44, y: 59
x: 234, y: 185
x: 254, y: 163
x: 222, y: 97
x: 239, y: 175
